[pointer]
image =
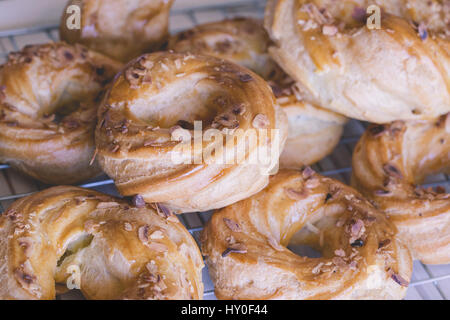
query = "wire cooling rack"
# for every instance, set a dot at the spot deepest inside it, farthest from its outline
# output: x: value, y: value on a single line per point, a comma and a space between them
x: 428, y: 281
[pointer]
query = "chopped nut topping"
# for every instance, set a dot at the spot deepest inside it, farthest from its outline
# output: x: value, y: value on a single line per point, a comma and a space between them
x: 307, y: 173
x: 296, y: 194
x: 163, y: 211
x: 158, y: 247
x: 399, y: 279
x: 156, y: 235
x: 232, y: 225
x: 261, y: 121
x: 329, y: 30
x: 143, y: 233
x: 138, y: 201
x: 107, y: 205
x: 235, y: 248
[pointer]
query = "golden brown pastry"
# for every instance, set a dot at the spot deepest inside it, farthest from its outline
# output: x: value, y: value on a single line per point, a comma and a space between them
x: 121, y: 251
x: 388, y: 163
x: 49, y: 96
x: 397, y: 72
x: 158, y: 98
x: 246, y: 244
x: 313, y: 132
x: 122, y: 29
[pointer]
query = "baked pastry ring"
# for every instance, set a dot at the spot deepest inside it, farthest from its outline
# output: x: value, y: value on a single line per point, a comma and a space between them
x: 399, y: 72
x: 121, y: 29
x: 49, y: 96
x: 121, y: 251
x: 388, y: 162
x: 313, y: 131
x: 245, y: 244
x: 162, y: 94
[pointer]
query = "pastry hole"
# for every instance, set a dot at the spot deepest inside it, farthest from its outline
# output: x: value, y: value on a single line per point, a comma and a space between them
x: 75, y: 246
x: 304, y: 250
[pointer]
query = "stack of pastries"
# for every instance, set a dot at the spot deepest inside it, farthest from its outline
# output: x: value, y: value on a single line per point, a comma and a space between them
x: 121, y: 96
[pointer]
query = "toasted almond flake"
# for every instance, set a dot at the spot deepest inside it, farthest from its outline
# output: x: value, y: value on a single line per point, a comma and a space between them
x: 143, y: 233
x: 261, y: 121
x: 357, y: 229
x: 400, y: 280
x: 156, y: 235
x: 296, y: 194
x: 173, y: 219
x: 232, y: 225
x: 164, y: 66
x: 339, y: 253
x: 158, y: 247
x: 329, y: 30
x: 128, y: 226
x: 152, y: 267
x: 317, y: 268
x: 308, y: 172
x: 312, y: 183
x: 107, y: 205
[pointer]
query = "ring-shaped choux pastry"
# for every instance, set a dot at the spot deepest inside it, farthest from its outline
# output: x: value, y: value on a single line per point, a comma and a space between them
x: 313, y: 131
x: 388, y: 163
x: 396, y: 70
x: 104, y: 246
x: 161, y: 96
x: 49, y: 95
x: 121, y: 29
x: 245, y: 244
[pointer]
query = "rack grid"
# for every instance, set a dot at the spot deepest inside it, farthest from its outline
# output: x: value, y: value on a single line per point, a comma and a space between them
x: 428, y: 281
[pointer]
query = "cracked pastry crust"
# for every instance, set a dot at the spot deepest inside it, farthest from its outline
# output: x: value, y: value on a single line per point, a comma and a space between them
x: 245, y: 244
x: 122, y: 251
x: 388, y: 163
x: 158, y: 97
x: 121, y: 29
x: 313, y: 131
x: 49, y: 96
x: 399, y: 72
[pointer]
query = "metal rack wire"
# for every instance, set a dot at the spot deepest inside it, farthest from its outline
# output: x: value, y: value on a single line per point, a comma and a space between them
x: 428, y: 282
